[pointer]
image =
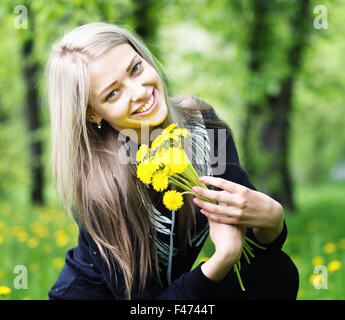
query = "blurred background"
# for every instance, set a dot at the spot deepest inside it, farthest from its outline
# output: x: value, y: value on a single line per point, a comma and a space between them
x: 273, y: 70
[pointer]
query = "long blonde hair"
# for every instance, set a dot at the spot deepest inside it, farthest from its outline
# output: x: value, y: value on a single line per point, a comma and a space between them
x: 100, y: 193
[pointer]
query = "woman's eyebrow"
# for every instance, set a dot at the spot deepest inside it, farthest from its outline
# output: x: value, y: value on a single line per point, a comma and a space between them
x: 114, y: 82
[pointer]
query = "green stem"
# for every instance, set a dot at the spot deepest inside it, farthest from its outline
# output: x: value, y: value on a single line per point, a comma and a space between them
x: 176, y: 176
x: 239, y: 277
x: 245, y: 255
x: 188, y: 173
x: 178, y: 183
x: 189, y: 192
x: 255, y: 244
x: 248, y: 250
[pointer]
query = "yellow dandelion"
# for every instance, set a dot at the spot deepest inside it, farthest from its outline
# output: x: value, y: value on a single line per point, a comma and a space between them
x: 156, y: 143
x: 142, y: 152
x: 334, y: 265
x: 39, y: 230
x: 169, y: 128
x: 179, y: 135
x: 4, y: 290
x: 176, y: 160
x: 329, y: 247
x: 317, y: 261
x: 173, y: 200
x: 157, y: 159
x: 58, y: 262
x: 316, y: 280
x: 61, y: 238
x: 21, y: 236
x: 181, y: 132
x: 167, y: 171
x: 145, y: 172
x: 160, y: 180
x: 204, y: 259
x: 32, y: 243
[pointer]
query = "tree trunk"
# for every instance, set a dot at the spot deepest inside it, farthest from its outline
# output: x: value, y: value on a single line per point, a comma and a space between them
x: 146, y: 23
x: 267, y: 128
x: 30, y: 73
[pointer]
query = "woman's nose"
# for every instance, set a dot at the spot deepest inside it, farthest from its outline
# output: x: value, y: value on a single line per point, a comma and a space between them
x: 138, y: 92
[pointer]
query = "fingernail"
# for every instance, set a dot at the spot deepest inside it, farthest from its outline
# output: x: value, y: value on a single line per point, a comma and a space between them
x: 195, y: 200
x: 202, y: 179
x: 202, y: 211
x: 195, y: 189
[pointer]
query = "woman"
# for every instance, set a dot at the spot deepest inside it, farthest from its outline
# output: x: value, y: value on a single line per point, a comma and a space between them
x: 106, y: 97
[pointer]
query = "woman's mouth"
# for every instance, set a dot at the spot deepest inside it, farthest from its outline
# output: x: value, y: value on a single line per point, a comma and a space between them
x: 150, y: 105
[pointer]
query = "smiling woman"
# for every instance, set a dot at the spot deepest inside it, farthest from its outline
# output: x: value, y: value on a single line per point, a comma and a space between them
x: 135, y: 93
x: 104, y: 85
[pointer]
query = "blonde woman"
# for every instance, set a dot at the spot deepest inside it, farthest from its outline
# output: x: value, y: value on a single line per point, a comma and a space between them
x: 107, y: 97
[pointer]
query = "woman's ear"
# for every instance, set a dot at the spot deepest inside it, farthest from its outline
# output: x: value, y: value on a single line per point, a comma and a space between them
x: 93, y: 117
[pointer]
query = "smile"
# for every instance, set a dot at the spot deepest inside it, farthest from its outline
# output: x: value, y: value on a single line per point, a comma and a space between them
x: 148, y: 107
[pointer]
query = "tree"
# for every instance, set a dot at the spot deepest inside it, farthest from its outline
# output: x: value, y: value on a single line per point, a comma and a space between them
x: 267, y: 128
x: 31, y: 71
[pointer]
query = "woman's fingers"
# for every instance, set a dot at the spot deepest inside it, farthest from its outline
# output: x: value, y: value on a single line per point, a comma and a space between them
x: 220, y: 209
x: 219, y: 196
x: 220, y: 218
x: 232, y: 199
x: 222, y: 184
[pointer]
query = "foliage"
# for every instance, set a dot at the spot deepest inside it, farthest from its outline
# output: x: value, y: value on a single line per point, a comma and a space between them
x: 204, y: 47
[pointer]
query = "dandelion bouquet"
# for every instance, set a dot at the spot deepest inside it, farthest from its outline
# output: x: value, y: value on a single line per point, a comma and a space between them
x: 164, y: 163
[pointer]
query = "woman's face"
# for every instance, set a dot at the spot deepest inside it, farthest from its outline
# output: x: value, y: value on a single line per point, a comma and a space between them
x: 126, y: 91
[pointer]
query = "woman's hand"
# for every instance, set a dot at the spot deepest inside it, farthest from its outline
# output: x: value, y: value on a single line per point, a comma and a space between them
x: 228, y: 241
x: 238, y: 205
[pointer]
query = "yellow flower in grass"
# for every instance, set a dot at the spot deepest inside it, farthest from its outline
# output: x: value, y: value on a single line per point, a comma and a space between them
x: 173, y: 200
x: 61, y: 238
x: 317, y: 261
x: 4, y: 290
x: 160, y: 180
x: 334, y: 265
x: 32, y: 243
x: 329, y: 247
x: 316, y: 280
x: 142, y: 152
x: 58, y: 262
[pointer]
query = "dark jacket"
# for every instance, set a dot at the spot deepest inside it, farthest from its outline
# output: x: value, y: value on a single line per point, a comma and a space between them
x: 86, y: 276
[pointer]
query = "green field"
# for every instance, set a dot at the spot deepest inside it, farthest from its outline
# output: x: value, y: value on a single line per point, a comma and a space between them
x: 38, y: 238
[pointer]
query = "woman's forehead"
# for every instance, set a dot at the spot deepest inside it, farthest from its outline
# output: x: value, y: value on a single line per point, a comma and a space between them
x: 110, y: 66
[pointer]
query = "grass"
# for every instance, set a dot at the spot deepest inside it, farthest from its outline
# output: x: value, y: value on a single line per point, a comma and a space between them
x: 38, y: 238
x: 316, y: 238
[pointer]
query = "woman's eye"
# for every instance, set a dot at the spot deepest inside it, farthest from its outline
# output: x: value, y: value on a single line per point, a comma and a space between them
x: 136, y: 68
x: 111, y: 95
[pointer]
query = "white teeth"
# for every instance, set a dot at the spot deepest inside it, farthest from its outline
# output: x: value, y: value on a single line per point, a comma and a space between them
x: 146, y: 106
